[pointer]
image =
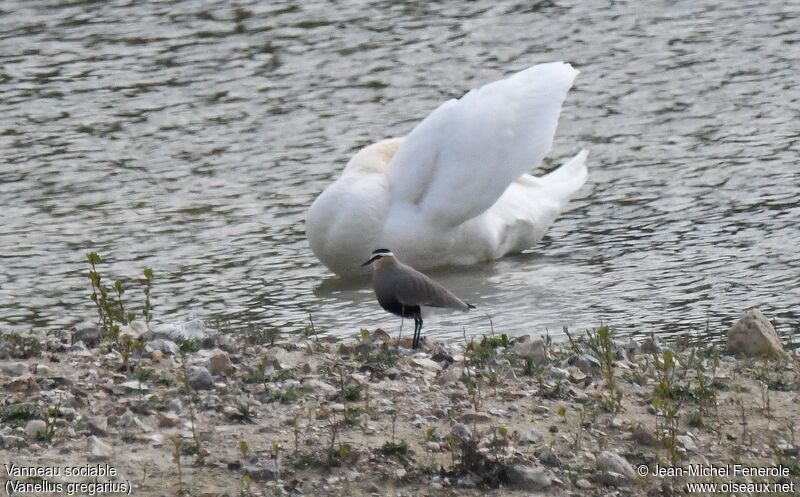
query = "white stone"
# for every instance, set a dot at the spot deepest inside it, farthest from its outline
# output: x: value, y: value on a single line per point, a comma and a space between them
x: 611, y: 461
x: 533, y: 348
x: 426, y: 363
x: 36, y: 428
x: 97, y: 450
x: 754, y: 335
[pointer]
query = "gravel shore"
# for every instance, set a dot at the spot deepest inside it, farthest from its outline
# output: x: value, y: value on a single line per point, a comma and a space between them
x: 262, y: 414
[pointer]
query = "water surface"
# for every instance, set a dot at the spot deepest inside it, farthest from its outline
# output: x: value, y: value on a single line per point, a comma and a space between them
x: 191, y: 136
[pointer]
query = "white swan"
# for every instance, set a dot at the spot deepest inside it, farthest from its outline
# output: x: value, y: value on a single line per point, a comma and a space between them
x: 455, y: 190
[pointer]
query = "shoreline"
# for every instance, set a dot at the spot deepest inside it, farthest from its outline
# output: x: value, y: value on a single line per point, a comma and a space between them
x: 314, y: 415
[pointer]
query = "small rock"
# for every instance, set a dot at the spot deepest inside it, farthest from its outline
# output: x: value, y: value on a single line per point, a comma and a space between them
x: 380, y: 335
x: 12, y: 442
x: 787, y: 449
x: 97, y: 450
x: 132, y: 331
x: 21, y: 383
x: 175, y: 405
x: 220, y: 363
x: 466, y: 482
x: 98, y: 426
x: 450, y: 375
x: 393, y: 373
x: 14, y: 368
x: 687, y: 443
x: 611, y: 479
x: 534, y: 436
x: 441, y: 355
x: 577, y: 376
x: 529, y: 478
x: 541, y: 409
x: 200, y: 379
x: 650, y: 345
x: 533, y: 349
x: 162, y: 345
x: 461, y: 432
x: 266, y: 472
x: 583, y: 484
x: 557, y: 373
x: 400, y: 473
x: 643, y: 436
x: 134, y: 386
x: 194, y: 329
x: 588, y: 364
x: 427, y: 364
x: 372, y: 488
x: 611, y: 461
x: 90, y: 336
x: 168, y: 420
x: 754, y: 335
x: 36, y: 428
x: 320, y: 386
x: 476, y: 417
x: 43, y: 370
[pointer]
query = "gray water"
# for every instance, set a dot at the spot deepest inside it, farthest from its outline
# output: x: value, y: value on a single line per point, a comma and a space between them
x: 191, y: 136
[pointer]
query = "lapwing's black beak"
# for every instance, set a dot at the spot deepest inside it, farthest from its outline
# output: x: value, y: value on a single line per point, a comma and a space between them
x: 367, y: 263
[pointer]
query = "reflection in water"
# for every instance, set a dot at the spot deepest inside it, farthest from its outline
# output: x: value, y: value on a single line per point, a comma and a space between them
x: 191, y: 137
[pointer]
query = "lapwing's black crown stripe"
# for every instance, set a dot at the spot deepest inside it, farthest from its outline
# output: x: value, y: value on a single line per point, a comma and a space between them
x: 381, y: 251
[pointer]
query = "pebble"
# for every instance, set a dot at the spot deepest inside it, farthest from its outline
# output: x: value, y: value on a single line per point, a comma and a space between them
x: 264, y: 472
x: 175, y: 405
x: 427, y: 364
x: 529, y: 478
x: 200, y: 379
x: 98, y: 425
x: 531, y: 348
x: 220, y: 363
x: 611, y: 479
x: 461, y: 432
x: 534, y: 436
x: 476, y: 417
x: 97, y: 450
x: 643, y: 436
x: 14, y: 368
x: 90, y: 336
x: 162, y: 345
x: 611, y: 461
x: 35, y: 428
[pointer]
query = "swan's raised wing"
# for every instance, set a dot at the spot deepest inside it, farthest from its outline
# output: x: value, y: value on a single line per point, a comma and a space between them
x: 458, y: 161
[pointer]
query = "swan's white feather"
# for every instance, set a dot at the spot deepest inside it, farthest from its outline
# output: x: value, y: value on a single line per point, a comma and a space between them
x: 455, y: 190
x: 476, y: 146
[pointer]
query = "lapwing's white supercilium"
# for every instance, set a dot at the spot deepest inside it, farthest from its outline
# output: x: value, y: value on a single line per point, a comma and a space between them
x: 402, y: 290
x: 455, y: 191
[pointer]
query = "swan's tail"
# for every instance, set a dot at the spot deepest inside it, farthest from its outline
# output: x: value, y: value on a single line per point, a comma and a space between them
x: 564, y: 182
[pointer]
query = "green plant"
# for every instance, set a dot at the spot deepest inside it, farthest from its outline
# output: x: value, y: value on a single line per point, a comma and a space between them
x: 396, y: 449
x: 602, y: 345
x: 666, y: 403
x: 109, y: 302
x: 17, y: 414
x: 147, y: 312
x: 289, y: 395
x: 21, y: 346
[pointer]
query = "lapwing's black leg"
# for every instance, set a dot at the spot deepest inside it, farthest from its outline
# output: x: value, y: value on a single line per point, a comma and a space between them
x: 417, y: 332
